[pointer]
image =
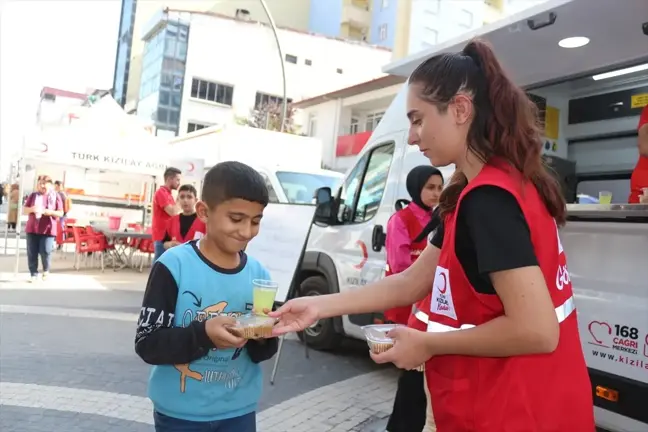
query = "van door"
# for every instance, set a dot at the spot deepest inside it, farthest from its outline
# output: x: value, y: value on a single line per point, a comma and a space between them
x: 363, y: 198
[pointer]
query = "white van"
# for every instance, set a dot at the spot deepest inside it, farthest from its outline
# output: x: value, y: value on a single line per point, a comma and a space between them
x: 297, y: 186
x: 592, y: 103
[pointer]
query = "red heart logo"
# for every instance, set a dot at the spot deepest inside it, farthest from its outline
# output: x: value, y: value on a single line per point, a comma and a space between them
x: 598, y: 324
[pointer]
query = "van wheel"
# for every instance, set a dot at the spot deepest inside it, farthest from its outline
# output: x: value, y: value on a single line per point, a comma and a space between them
x: 321, y: 335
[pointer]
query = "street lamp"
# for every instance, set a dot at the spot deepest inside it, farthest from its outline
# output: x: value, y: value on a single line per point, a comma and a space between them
x: 284, y: 105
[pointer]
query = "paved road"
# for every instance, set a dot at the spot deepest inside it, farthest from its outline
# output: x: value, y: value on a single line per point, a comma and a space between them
x: 67, y: 364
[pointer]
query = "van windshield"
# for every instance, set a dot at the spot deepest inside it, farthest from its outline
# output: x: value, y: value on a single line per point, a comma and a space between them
x: 300, y: 187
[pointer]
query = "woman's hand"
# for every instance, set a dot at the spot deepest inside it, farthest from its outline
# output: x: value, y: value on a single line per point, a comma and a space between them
x: 295, y: 315
x: 411, y: 349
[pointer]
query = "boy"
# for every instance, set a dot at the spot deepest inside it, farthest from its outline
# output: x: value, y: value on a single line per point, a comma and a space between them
x: 204, y: 377
x: 185, y: 226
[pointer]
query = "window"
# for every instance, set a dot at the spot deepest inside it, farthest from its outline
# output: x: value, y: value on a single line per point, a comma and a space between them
x: 272, y: 195
x: 354, y: 126
x: 211, y: 91
x: 382, y: 32
x: 308, y: 62
x: 363, y: 190
x: 291, y: 59
x: 373, y: 185
x: 266, y: 99
x: 312, y: 126
x: 191, y: 127
x: 465, y: 18
x: 300, y: 188
x: 373, y: 120
x: 339, y: 71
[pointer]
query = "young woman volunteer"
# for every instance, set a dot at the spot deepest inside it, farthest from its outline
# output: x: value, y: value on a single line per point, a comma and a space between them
x: 406, y: 240
x: 496, y: 269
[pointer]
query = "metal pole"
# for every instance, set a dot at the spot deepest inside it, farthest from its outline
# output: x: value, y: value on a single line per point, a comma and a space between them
x: 21, y: 191
x: 284, y: 105
x: 6, y: 235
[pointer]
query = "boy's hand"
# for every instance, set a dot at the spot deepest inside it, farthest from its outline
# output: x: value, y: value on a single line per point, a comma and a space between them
x: 220, y: 335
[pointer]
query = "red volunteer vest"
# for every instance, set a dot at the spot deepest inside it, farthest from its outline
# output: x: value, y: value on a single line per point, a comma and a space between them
x: 531, y: 393
x: 197, y: 226
x: 638, y: 180
x: 401, y: 314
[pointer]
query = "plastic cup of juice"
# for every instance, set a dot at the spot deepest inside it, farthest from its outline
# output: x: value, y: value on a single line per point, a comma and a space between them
x: 263, y: 295
x: 605, y: 197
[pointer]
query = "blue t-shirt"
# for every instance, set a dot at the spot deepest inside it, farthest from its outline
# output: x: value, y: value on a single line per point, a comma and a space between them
x: 225, y: 383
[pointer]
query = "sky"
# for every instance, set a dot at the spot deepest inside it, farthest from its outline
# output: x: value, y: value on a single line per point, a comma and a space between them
x: 66, y: 44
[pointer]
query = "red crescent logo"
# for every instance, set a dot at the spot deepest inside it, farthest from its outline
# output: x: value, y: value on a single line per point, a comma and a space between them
x: 363, y: 248
x: 445, y: 284
x: 45, y: 148
x: 191, y: 167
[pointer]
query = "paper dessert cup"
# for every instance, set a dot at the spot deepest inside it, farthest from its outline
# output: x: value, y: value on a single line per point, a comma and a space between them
x: 253, y: 326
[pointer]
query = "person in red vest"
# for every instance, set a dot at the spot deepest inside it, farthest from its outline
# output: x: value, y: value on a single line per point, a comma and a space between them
x: 406, y: 240
x: 502, y: 350
x: 185, y: 226
x: 164, y: 208
x: 639, y: 179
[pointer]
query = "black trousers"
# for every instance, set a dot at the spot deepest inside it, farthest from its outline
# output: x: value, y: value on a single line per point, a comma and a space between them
x: 410, y: 404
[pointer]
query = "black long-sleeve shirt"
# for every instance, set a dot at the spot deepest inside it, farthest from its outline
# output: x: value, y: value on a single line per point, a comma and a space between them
x: 158, y: 342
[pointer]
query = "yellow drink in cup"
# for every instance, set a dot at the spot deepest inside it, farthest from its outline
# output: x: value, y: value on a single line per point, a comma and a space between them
x: 263, y: 295
x: 605, y: 197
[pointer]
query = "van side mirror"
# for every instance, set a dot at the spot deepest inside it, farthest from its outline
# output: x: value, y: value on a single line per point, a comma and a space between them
x: 324, y: 206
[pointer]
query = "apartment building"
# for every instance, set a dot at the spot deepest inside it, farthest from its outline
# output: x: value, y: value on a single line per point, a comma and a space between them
x: 135, y: 15
x: 203, y: 69
x: 344, y: 119
x: 349, y: 19
x: 408, y: 26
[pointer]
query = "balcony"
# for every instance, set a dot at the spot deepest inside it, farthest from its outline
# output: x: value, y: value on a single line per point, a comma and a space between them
x: 356, y: 14
x: 351, y: 145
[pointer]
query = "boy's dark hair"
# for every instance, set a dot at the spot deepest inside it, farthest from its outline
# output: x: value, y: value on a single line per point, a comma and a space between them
x: 188, y: 188
x: 170, y: 172
x: 58, y: 183
x: 231, y: 180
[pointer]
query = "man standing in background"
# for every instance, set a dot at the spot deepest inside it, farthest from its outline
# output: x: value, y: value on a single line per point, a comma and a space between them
x: 164, y: 208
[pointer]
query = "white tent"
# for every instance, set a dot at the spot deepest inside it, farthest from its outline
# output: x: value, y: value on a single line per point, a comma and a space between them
x: 104, y: 139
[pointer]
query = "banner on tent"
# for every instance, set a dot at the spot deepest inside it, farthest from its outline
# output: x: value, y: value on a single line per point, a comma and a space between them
x: 115, y: 162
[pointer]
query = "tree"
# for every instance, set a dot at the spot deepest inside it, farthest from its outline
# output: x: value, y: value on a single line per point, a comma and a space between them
x: 268, y: 116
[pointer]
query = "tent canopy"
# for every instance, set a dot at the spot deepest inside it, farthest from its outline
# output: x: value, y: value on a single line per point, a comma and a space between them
x: 105, y: 138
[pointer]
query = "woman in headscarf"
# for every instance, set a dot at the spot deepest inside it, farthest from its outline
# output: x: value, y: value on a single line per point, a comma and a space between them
x: 406, y: 239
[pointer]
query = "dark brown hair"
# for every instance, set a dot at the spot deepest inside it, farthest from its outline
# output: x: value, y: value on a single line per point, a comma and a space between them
x: 505, y: 122
x: 171, y: 172
x: 45, y: 178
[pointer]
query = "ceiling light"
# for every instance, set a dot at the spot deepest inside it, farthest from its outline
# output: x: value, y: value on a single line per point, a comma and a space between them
x: 619, y: 72
x: 574, y: 42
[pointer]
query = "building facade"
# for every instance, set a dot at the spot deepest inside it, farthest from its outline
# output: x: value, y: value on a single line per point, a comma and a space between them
x: 136, y: 14
x: 408, y: 26
x: 349, y: 19
x: 344, y: 119
x: 193, y: 76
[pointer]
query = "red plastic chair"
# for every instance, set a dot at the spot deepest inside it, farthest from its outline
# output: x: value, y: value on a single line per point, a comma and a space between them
x: 64, y: 236
x: 147, y: 248
x: 87, y: 245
